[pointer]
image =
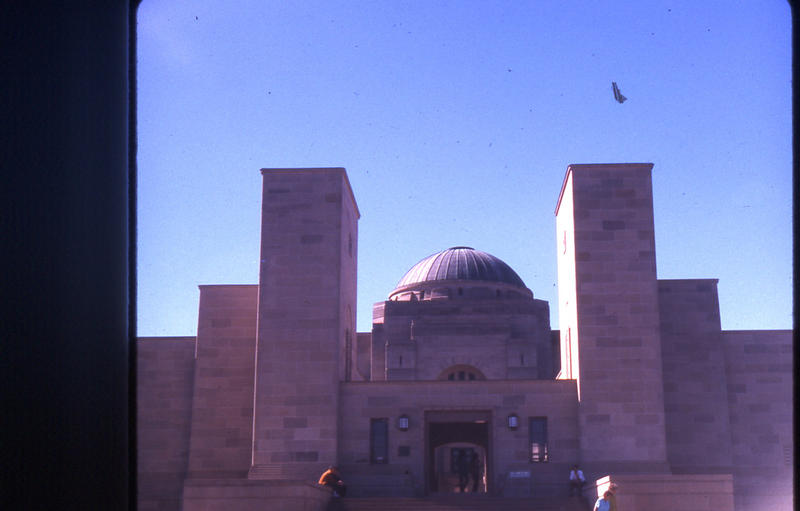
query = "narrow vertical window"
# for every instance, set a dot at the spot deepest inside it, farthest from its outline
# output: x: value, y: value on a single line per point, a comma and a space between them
x: 379, y: 441
x: 537, y: 432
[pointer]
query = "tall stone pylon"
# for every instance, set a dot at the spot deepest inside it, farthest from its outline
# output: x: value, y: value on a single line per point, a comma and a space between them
x: 609, y: 314
x: 306, y: 319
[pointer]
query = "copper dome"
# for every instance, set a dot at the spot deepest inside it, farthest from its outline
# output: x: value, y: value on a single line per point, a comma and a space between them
x: 460, y: 263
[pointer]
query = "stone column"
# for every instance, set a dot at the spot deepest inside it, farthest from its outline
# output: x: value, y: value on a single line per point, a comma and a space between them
x: 609, y: 316
x: 306, y: 312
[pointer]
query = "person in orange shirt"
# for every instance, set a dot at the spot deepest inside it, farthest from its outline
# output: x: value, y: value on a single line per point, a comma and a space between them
x: 333, y: 480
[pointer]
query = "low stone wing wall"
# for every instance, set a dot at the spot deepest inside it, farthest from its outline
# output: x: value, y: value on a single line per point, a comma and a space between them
x: 668, y: 492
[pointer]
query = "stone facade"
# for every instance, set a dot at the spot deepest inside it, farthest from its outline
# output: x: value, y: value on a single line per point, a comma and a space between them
x: 758, y: 367
x: 164, y: 385
x: 427, y: 402
x: 695, y: 384
x: 221, y: 432
x: 508, y: 339
x: 639, y: 384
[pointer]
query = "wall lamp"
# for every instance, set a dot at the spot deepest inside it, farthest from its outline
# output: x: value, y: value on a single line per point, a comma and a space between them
x: 402, y: 422
x: 513, y: 421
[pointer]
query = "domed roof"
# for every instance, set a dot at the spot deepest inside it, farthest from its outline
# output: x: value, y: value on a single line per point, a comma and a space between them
x: 460, y: 263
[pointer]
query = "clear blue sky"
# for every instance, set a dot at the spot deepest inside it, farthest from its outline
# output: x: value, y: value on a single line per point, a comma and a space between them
x: 456, y: 121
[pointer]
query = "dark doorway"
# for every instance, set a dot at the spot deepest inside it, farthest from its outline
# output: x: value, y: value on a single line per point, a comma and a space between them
x: 449, y: 440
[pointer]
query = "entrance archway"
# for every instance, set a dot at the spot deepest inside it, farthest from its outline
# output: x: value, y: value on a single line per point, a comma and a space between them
x: 448, y: 435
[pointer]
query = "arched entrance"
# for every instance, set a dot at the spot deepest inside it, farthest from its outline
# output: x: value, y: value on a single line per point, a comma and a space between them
x: 461, y: 372
x: 448, y: 435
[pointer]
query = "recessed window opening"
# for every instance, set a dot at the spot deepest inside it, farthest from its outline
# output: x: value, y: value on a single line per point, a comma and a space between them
x: 460, y: 291
x: 522, y: 359
x: 537, y: 432
x: 379, y: 441
x: 401, y: 361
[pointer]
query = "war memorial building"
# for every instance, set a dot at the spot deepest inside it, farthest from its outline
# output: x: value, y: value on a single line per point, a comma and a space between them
x: 638, y: 383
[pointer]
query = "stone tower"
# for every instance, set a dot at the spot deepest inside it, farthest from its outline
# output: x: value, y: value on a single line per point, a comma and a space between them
x: 306, y: 319
x: 609, y: 315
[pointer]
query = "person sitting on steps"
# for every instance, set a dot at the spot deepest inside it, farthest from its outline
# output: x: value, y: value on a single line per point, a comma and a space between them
x: 333, y: 480
x: 576, y: 481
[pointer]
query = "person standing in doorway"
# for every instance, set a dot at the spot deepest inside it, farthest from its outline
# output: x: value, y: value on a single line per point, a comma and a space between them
x: 462, y: 467
x: 475, y: 471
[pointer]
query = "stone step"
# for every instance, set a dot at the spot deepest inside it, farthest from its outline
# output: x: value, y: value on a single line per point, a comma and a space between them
x: 465, y: 503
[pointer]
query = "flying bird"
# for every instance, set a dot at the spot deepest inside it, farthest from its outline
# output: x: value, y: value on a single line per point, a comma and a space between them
x: 617, y: 94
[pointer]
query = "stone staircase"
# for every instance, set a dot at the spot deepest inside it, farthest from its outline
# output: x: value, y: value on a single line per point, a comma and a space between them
x: 360, y: 485
x: 464, y: 503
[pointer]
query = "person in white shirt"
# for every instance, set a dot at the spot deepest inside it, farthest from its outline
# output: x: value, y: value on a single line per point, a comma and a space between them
x: 576, y: 481
x: 603, y: 503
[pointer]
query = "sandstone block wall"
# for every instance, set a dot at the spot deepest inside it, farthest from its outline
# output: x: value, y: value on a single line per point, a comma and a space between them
x: 503, y: 338
x: 348, y: 266
x: 615, y: 307
x: 363, y: 357
x: 695, y: 383
x: 306, y: 316
x: 222, y: 406
x: 361, y: 402
x: 555, y: 353
x: 667, y: 492
x: 164, y: 378
x: 759, y: 374
x: 486, y: 353
x: 377, y: 352
x: 569, y: 359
